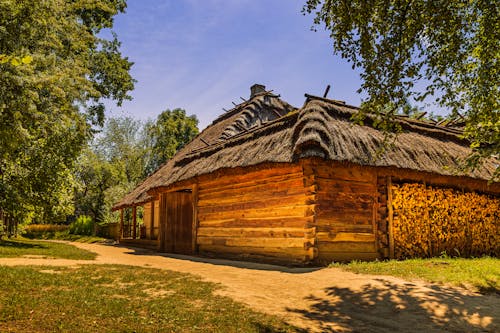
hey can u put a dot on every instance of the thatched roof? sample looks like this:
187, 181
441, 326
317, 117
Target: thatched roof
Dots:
258, 111
266, 129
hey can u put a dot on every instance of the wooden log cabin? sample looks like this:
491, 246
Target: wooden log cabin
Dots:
267, 181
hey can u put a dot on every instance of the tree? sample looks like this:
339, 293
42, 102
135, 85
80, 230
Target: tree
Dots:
171, 131
55, 71
453, 47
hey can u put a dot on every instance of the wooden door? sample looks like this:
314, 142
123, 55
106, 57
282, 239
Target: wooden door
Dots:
178, 231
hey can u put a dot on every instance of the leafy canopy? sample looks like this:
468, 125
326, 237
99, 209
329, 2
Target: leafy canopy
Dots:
55, 71
172, 130
452, 47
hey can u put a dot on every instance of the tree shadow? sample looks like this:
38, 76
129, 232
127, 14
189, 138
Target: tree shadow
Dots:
21, 245
387, 307
223, 261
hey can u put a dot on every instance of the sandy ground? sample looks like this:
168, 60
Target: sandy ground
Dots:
318, 300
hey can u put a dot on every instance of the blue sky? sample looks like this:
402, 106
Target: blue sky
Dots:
201, 55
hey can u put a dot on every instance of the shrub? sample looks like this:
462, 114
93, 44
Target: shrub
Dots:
82, 226
43, 231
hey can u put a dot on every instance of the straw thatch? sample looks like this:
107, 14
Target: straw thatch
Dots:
254, 113
266, 129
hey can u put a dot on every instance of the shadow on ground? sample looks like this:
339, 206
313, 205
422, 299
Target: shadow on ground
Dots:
19, 245
223, 262
388, 307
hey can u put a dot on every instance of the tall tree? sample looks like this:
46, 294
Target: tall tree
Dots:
170, 132
453, 47
55, 70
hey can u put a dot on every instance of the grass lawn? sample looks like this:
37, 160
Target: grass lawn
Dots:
113, 298
25, 247
479, 274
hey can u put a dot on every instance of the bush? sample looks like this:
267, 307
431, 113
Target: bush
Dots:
43, 231
82, 226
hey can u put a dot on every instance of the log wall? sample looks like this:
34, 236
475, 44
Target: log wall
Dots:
346, 212
261, 213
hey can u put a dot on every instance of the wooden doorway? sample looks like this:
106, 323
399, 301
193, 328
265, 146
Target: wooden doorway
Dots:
177, 227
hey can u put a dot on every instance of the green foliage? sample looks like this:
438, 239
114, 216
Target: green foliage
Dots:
97, 298
172, 130
24, 247
83, 225
481, 274
55, 70
452, 47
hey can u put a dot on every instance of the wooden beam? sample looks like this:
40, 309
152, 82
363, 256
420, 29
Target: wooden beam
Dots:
134, 222
163, 222
152, 220
120, 233
195, 216
390, 217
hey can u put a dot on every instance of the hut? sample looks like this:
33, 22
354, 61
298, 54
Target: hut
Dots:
272, 182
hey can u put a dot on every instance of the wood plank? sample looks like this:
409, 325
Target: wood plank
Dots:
236, 189
346, 246
251, 200
344, 228
195, 218
329, 171
345, 206
343, 196
352, 217
121, 224
228, 178
252, 241
271, 222
256, 232
336, 186
257, 202
239, 196
279, 252
228, 182
297, 210
345, 237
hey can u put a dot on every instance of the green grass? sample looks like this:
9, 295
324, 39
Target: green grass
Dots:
20, 247
478, 274
63, 235
113, 298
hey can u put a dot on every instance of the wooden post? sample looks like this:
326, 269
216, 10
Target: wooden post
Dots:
162, 221
134, 222
152, 220
120, 232
390, 217
195, 216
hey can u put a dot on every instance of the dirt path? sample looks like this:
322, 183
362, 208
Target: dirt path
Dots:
324, 300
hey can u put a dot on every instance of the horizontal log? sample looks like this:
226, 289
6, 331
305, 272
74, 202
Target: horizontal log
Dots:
281, 188
326, 257
297, 210
349, 174
336, 186
254, 201
345, 206
229, 183
252, 241
285, 253
344, 228
329, 196
345, 237
273, 173
346, 246
271, 222
347, 217
256, 232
